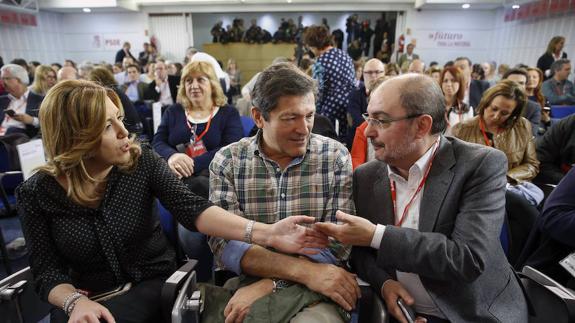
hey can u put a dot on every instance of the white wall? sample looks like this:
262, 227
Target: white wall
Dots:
526, 40
73, 36
82, 31
43, 42
471, 29
488, 36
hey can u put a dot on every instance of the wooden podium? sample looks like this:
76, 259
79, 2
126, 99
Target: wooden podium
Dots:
251, 58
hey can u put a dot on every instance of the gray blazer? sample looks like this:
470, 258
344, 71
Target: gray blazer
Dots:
456, 251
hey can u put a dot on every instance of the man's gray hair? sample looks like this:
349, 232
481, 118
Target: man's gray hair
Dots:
18, 72
558, 64
276, 81
420, 94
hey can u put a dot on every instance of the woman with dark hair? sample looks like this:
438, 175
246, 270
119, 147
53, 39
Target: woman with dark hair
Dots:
87, 215
335, 74
499, 124
103, 76
452, 85
554, 52
533, 86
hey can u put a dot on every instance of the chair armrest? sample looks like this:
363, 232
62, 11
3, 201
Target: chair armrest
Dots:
176, 288
371, 305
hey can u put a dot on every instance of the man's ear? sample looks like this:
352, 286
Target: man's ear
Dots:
257, 117
424, 124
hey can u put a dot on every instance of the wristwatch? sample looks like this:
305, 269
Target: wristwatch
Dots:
280, 284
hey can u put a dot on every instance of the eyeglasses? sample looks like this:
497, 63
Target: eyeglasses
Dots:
372, 72
384, 123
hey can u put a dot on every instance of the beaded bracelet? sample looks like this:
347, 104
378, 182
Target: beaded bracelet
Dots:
248, 233
70, 301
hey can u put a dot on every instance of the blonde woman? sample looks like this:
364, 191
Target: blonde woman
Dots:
87, 215
553, 52
44, 79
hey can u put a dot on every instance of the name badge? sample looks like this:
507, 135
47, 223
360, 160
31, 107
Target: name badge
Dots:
196, 149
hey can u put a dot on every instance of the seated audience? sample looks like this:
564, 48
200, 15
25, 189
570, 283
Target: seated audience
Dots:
235, 79
164, 87
122, 76
499, 125
532, 110
67, 73
430, 213
490, 70
477, 72
553, 53
552, 238
131, 118
452, 85
558, 90
357, 101
300, 173
195, 128
87, 215
44, 79
84, 70
19, 108
473, 88
556, 151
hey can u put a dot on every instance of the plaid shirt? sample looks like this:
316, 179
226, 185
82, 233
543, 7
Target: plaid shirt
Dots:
245, 182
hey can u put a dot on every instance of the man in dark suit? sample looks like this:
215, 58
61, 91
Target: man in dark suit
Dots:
475, 88
164, 88
19, 108
439, 205
532, 110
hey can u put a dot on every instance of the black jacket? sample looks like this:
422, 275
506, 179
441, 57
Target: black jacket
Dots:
32, 108
152, 94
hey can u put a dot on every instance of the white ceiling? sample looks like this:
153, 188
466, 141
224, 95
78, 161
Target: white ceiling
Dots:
163, 6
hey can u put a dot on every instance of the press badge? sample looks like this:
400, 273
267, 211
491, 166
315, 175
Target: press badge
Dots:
569, 263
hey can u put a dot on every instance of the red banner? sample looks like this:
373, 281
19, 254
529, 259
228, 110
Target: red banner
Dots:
523, 12
539, 8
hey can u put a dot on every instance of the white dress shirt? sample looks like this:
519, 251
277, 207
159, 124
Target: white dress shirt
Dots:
404, 191
165, 94
19, 106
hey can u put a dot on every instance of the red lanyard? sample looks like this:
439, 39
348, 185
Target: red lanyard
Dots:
482, 127
198, 138
421, 184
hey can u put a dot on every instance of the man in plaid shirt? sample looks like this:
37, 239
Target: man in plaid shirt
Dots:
285, 170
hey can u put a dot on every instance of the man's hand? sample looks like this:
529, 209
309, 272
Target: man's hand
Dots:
181, 164
355, 230
289, 236
239, 305
391, 291
24, 118
90, 312
334, 282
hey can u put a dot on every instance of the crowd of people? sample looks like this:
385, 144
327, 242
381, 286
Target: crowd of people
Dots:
409, 168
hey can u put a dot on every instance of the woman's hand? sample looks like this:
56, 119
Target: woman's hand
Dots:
289, 236
90, 312
181, 164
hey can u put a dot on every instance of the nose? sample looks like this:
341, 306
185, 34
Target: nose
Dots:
122, 132
370, 131
302, 126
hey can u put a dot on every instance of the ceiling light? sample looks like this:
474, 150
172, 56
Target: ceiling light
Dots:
466, 6
288, 1
515, 6
87, 10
